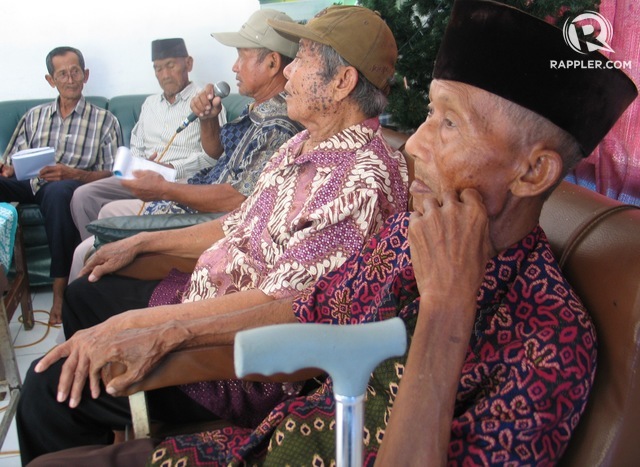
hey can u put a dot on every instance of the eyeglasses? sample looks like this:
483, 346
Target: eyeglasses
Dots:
74, 73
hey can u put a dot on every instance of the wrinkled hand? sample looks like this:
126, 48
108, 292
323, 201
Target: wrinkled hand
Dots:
139, 350
147, 186
86, 353
450, 244
91, 350
110, 258
206, 104
55, 173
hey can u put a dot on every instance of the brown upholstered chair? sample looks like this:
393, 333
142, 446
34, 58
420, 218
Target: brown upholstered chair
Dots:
597, 241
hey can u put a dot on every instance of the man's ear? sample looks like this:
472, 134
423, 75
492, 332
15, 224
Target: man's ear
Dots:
273, 63
189, 64
540, 170
346, 81
50, 80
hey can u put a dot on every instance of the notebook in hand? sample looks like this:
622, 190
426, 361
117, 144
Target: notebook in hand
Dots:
125, 163
28, 162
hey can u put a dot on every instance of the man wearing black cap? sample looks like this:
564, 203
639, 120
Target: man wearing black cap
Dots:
502, 352
160, 115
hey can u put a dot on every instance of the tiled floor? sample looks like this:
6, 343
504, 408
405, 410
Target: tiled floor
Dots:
28, 346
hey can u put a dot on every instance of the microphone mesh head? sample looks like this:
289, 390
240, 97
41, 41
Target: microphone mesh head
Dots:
221, 89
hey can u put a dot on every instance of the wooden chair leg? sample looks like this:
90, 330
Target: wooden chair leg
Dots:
20, 292
10, 382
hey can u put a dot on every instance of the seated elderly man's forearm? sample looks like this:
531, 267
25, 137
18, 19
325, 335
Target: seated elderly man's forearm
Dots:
188, 242
205, 198
214, 320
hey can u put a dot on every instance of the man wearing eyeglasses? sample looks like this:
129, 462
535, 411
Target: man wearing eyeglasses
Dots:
85, 138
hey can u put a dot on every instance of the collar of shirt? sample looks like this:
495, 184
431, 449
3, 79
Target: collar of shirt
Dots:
186, 93
348, 140
276, 106
79, 108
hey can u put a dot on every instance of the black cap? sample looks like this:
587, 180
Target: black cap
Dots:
525, 60
168, 48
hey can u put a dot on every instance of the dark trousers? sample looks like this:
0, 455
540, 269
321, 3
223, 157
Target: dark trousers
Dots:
89, 303
130, 454
45, 425
54, 199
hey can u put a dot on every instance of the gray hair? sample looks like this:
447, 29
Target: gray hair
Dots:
371, 100
58, 51
264, 53
530, 128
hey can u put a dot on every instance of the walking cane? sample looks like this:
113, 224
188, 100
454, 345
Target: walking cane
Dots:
348, 353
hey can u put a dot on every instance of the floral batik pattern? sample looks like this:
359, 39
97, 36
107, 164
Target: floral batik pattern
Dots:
308, 214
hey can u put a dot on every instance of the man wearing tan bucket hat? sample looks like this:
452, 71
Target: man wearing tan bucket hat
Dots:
320, 196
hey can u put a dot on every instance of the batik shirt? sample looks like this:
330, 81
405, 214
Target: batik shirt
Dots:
248, 141
86, 139
309, 212
527, 374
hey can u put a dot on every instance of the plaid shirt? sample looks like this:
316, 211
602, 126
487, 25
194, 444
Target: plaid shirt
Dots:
87, 139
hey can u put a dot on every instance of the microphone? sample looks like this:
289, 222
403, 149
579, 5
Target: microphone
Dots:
220, 89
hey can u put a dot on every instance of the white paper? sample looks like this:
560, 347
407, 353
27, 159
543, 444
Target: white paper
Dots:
125, 163
28, 162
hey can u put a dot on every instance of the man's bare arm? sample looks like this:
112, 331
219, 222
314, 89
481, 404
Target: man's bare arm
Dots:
59, 172
139, 338
150, 186
188, 242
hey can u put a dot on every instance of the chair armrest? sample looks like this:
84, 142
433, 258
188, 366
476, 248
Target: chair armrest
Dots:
155, 266
186, 366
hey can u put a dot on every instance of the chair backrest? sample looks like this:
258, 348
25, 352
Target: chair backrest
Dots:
12, 111
126, 109
234, 104
597, 241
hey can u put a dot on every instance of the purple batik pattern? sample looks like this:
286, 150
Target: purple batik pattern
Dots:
524, 383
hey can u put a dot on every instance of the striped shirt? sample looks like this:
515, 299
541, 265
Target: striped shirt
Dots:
86, 139
158, 122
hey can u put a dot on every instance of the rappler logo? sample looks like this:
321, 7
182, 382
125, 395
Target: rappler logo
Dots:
583, 37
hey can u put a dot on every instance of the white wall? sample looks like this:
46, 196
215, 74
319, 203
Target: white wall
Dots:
115, 39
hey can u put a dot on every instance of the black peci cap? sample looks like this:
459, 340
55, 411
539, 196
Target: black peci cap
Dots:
525, 60
168, 48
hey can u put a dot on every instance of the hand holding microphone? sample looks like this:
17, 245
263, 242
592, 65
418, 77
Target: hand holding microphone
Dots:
220, 89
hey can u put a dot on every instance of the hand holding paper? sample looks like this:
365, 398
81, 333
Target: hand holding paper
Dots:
28, 162
126, 163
